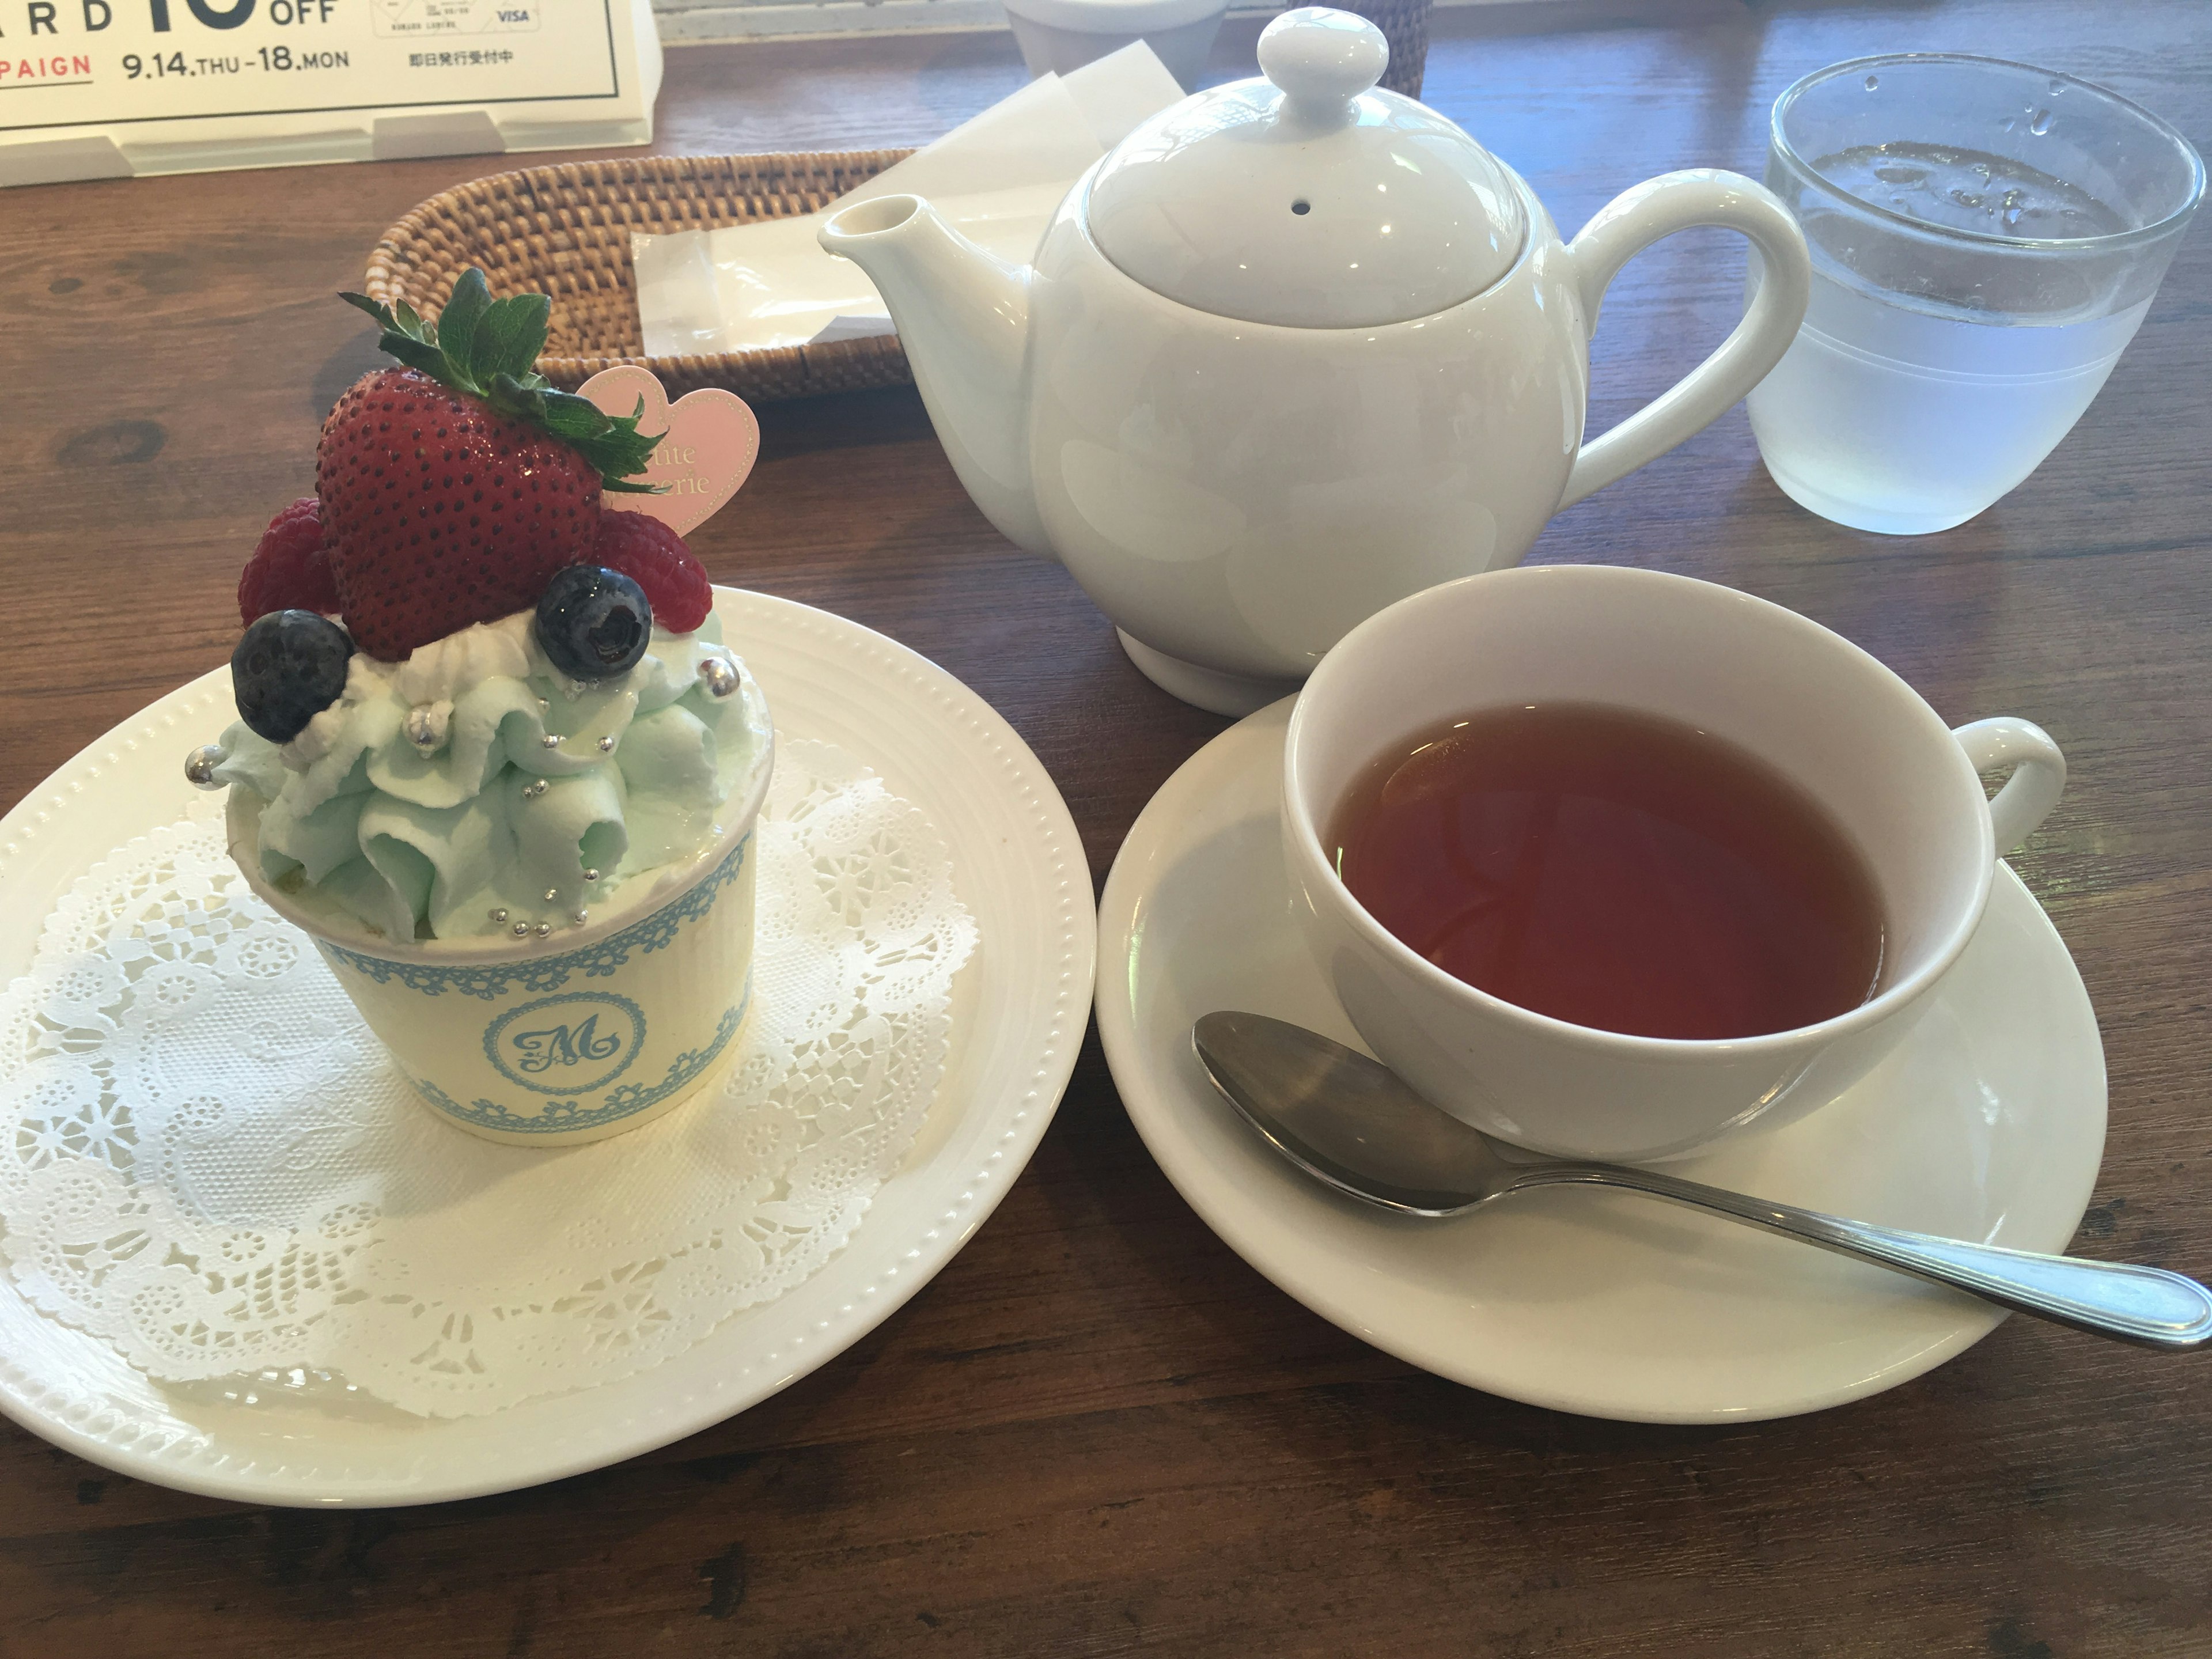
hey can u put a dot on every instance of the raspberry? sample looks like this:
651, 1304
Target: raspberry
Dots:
289, 570
654, 557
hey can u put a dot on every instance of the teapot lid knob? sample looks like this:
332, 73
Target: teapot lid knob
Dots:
1313, 198
1322, 59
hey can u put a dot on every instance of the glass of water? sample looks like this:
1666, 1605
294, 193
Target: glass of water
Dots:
1986, 237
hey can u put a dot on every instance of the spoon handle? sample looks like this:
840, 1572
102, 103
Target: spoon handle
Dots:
2145, 1306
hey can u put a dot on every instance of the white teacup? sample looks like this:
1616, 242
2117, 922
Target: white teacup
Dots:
1851, 734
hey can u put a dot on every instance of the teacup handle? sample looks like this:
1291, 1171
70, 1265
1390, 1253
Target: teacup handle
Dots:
1623, 229
2038, 774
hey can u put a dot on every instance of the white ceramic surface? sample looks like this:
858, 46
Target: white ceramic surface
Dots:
1847, 731
1307, 198
1987, 1123
1238, 495
1019, 1014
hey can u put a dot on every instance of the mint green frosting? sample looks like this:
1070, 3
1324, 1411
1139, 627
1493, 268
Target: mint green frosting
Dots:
426, 796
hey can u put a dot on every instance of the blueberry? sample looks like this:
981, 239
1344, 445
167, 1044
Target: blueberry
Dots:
289, 668
593, 623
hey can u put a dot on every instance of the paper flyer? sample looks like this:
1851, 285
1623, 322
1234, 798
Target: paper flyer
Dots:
104, 88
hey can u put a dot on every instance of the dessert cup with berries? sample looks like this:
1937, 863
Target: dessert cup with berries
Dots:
492, 754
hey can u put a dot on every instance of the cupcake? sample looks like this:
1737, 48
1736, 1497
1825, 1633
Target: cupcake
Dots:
492, 754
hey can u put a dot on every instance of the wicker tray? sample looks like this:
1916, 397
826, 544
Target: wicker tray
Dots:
1405, 25
564, 231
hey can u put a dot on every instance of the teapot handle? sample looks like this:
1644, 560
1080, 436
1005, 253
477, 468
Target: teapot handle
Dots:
1627, 224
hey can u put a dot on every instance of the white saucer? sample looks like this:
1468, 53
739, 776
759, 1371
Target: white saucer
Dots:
1989, 1123
1018, 1017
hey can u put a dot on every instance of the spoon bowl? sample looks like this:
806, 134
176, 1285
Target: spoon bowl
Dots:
1347, 1120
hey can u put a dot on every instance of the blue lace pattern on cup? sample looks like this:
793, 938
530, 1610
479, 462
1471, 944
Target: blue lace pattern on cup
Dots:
567, 1044
491, 980
561, 1115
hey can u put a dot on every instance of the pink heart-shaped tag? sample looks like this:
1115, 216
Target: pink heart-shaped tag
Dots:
712, 440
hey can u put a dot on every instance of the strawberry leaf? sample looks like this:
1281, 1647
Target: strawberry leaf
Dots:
376, 308
488, 349
405, 336
415, 354
567, 416
510, 336
611, 443
457, 325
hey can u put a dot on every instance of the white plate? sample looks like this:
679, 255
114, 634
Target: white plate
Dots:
1989, 1123
1019, 1011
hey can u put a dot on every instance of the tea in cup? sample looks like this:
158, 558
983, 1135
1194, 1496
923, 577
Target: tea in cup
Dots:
1608, 862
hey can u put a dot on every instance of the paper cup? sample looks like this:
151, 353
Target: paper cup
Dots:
574, 1037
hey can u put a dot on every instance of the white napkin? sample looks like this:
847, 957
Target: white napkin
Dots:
997, 177
272, 1198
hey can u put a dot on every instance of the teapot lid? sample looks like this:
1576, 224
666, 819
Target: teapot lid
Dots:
1308, 198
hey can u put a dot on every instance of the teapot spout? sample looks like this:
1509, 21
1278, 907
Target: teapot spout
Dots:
963, 315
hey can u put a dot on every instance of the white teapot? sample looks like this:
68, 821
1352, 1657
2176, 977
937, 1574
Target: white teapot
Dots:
1295, 348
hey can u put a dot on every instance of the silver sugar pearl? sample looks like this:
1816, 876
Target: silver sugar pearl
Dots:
421, 728
532, 790
579, 917
719, 675
591, 875
522, 930
544, 929
607, 745
552, 894
499, 913
550, 740
200, 764
545, 703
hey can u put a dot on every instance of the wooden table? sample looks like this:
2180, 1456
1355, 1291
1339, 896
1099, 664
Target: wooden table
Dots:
1098, 1432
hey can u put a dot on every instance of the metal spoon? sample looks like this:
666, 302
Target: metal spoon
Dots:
1352, 1123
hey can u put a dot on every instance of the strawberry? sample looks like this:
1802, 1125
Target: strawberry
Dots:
653, 555
441, 513
453, 488
288, 571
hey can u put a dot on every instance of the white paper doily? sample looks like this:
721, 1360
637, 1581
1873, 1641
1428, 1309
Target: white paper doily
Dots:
207, 1161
